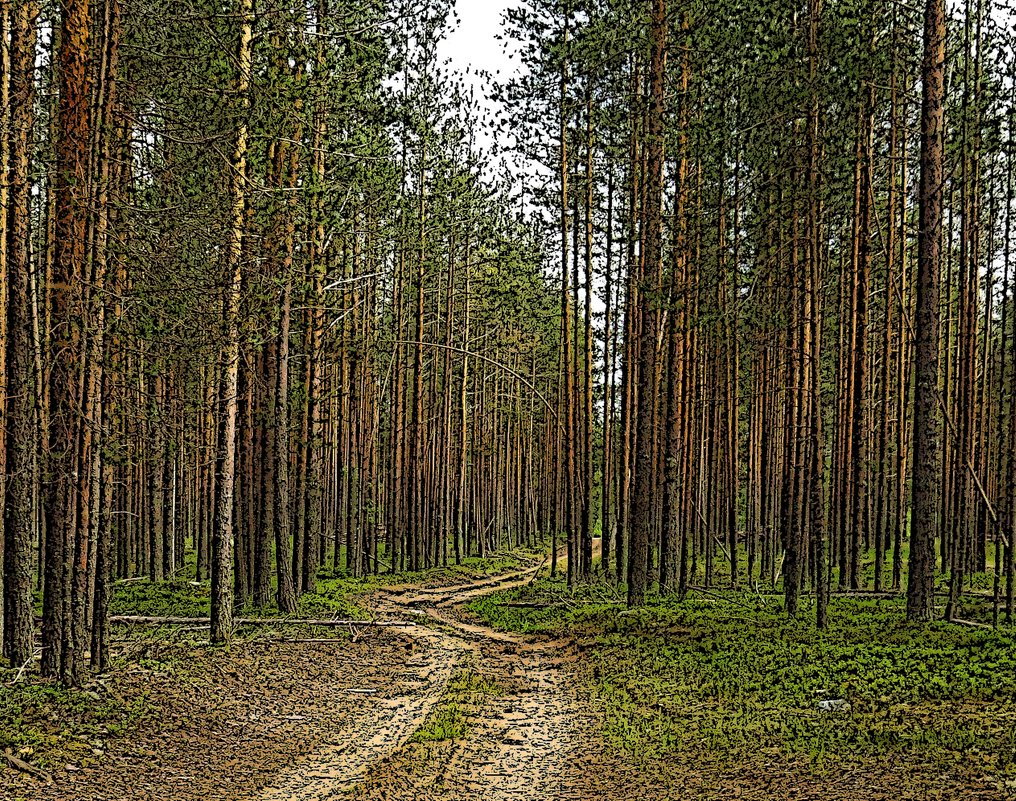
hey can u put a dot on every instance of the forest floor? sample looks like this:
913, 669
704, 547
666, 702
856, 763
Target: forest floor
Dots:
720, 695
446, 709
510, 687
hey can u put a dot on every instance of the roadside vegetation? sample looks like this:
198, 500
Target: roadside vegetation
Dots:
725, 677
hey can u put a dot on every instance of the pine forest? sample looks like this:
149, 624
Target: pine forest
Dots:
507, 399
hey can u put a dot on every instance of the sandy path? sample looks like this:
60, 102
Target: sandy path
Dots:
387, 719
531, 741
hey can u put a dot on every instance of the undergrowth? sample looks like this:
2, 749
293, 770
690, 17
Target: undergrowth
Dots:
49, 726
728, 677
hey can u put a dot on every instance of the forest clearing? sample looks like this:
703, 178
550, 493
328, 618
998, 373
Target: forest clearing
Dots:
558, 399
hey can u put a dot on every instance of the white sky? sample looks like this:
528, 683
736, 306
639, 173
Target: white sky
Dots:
473, 41
471, 46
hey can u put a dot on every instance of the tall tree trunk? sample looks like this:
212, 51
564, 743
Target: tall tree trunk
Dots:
927, 423
814, 321
229, 358
643, 495
19, 445
66, 551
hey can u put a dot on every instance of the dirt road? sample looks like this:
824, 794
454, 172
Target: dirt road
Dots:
534, 737
278, 720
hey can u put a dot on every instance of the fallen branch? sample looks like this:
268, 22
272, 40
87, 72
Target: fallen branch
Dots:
142, 620
718, 596
324, 640
19, 764
967, 594
972, 624
24, 667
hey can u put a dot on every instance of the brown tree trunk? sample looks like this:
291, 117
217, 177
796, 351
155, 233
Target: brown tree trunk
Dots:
927, 423
643, 496
19, 419
229, 359
66, 552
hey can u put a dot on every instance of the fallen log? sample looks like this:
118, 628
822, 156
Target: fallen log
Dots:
145, 620
320, 640
970, 623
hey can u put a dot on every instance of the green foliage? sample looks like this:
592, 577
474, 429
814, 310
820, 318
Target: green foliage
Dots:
730, 678
450, 718
175, 598
49, 725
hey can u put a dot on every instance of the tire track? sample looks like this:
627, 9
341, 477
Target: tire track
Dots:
390, 716
531, 741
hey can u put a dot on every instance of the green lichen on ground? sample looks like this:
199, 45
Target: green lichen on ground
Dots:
727, 677
450, 719
49, 725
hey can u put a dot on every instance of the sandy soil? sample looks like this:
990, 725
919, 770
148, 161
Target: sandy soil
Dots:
313, 721
535, 738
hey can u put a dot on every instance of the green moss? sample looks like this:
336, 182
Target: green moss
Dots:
450, 719
447, 722
49, 725
175, 598
728, 677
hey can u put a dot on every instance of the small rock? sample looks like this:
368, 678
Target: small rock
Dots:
833, 705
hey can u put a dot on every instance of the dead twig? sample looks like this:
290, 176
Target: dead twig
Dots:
718, 596
536, 572
320, 640
971, 623
24, 667
19, 764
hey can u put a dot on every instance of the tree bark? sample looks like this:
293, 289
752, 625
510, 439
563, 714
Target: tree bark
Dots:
229, 359
643, 494
927, 422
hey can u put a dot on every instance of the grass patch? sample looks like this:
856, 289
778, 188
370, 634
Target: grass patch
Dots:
730, 678
50, 726
450, 719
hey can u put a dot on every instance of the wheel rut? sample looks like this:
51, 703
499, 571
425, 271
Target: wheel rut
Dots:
530, 740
